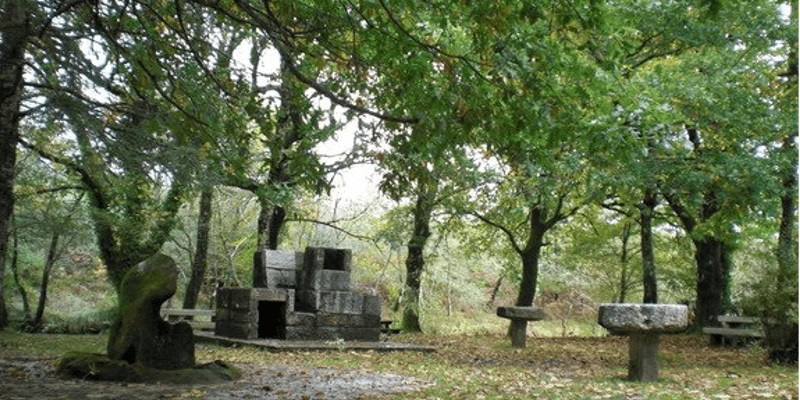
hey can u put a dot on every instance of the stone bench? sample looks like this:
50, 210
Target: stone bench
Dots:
518, 336
643, 323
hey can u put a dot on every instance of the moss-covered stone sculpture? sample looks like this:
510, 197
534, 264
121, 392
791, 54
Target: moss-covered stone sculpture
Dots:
138, 334
142, 347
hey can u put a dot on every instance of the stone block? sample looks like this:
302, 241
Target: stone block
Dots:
277, 259
350, 333
307, 301
280, 278
523, 313
270, 294
317, 259
333, 333
271, 260
301, 319
334, 280
238, 316
223, 298
247, 331
338, 302
348, 320
643, 318
238, 298
300, 332
372, 305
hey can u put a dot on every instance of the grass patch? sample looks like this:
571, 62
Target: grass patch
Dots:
45, 344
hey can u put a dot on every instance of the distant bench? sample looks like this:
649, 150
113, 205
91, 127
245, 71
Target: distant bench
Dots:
199, 319
387, 329
735, 329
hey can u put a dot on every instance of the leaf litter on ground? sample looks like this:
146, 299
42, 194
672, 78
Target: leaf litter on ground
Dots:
462, 367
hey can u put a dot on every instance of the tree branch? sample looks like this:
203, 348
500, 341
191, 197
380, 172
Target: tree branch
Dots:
511, 237
333, 226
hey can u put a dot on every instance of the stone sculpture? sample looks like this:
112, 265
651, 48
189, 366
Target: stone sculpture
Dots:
139, 335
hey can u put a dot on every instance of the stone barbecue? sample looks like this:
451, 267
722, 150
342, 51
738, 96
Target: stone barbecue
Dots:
299, 296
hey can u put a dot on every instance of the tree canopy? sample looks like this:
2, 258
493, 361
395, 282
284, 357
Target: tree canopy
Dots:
678, 115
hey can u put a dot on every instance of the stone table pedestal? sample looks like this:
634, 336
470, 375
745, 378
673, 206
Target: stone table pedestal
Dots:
519, 314
643, 323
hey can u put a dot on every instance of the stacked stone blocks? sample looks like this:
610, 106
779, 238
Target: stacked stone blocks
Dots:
307, 296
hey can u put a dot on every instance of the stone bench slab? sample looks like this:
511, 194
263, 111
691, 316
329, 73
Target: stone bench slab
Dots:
523, 313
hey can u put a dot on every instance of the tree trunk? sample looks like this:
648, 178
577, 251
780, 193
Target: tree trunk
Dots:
517, 329
271, 219
713, 274
26, 306
415, 264
713, 259
623, 259
200, 261
14, 32
277, 218
646, 212
786, 251
415, 261
495, 289
36, 324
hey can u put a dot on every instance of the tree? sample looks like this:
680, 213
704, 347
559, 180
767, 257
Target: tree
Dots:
288, 163
14, 35
413, 169
200, 260
140, 141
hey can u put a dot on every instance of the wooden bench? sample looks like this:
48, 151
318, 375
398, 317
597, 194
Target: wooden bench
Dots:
386, 327
199, 319
735, 330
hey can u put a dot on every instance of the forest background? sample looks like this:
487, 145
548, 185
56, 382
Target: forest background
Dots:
573, 152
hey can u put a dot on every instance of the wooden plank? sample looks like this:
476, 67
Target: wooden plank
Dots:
183, 312
738, 319
733, 332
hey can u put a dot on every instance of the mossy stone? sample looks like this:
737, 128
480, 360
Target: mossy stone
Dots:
98, 367
139, 335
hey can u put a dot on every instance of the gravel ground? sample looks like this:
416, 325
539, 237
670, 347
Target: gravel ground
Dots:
25, 377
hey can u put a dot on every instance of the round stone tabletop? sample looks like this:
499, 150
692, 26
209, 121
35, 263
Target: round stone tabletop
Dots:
628, 318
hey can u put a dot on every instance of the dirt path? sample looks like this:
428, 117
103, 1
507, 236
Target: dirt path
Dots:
23, 377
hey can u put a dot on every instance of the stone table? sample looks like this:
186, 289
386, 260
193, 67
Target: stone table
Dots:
519, 331
643, 323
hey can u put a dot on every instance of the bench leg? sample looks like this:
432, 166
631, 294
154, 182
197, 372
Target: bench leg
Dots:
643, 353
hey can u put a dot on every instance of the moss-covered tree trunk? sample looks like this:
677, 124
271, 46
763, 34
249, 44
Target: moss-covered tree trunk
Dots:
14, 31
